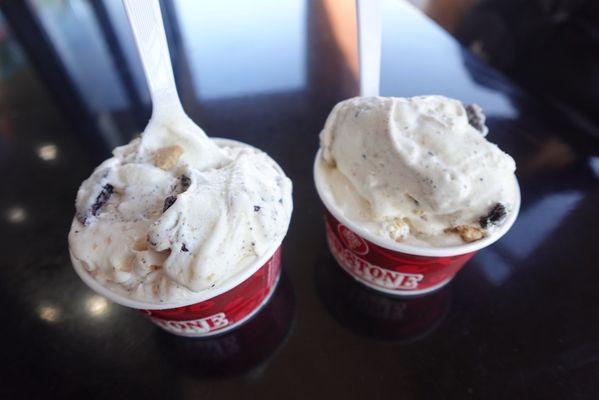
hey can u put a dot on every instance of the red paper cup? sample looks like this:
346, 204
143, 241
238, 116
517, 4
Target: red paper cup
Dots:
225, 311
210, 312
391, 267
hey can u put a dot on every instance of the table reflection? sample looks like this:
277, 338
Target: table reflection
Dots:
371, 314
16, 214
244, 351
97, 306
49, 313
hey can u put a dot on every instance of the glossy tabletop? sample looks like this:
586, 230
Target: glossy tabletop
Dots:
520, 321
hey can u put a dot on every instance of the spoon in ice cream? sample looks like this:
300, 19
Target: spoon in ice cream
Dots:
369, 45
169, 124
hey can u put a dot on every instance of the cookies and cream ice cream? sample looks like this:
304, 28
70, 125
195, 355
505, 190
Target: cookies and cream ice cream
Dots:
416, 170
174, 212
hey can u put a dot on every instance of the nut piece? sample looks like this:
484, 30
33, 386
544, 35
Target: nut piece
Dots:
166, 157
398, 229
467, 233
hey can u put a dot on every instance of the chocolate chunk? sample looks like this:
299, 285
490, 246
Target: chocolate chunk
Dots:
496, 215
184, 248
257, 208
185, 181
476, 118
169, 201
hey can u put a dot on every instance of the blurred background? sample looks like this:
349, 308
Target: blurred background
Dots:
83, 52
550, 47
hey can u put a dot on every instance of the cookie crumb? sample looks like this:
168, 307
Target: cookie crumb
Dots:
467, 233
101, 199
185, 181
140, 245
494, 217
150, 241
167, 157
476, 118
168, 202
398, 229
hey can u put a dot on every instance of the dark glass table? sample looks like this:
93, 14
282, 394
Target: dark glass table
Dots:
521, 321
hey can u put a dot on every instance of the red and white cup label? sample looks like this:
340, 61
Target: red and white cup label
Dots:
225, 311
387, 270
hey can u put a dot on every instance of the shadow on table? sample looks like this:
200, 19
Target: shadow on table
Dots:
244, 351
368, 313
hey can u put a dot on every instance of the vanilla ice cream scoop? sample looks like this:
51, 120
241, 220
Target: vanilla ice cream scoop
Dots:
174, 212
417, 170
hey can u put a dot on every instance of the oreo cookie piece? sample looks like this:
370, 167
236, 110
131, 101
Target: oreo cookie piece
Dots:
101, 199
476, 118
185, 182
168, 202
494, 217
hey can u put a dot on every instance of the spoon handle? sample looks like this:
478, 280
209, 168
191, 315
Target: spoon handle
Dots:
369, 13
146, 23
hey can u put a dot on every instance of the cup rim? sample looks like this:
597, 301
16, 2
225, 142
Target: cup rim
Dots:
447, 251
203, 295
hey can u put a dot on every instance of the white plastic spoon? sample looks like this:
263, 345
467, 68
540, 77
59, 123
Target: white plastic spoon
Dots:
169, 125
369, 13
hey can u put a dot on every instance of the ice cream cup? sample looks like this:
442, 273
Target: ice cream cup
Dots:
390, 267
212, 311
